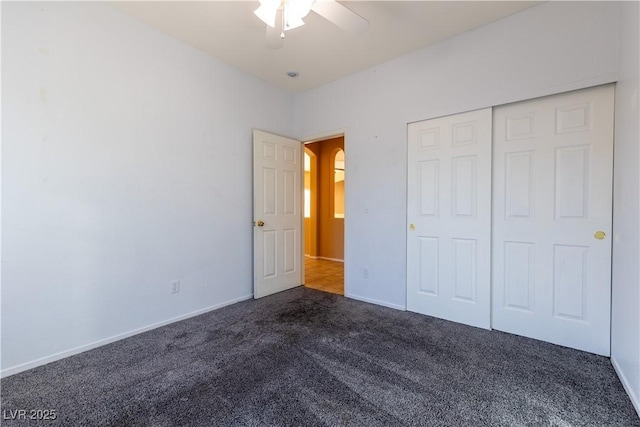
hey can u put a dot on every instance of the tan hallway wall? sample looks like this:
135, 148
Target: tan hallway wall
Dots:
330, 233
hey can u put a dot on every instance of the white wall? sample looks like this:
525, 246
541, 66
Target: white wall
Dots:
625, 319
126, 159
126, 164
547, 49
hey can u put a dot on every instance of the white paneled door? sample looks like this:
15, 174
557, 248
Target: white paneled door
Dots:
277, 207
552, 198
449, 218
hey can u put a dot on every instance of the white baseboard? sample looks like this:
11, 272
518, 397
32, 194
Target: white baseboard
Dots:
77, 350
329, 259
627, 387
323, 257
376, 302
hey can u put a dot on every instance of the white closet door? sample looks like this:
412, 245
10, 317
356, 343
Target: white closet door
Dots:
449, 218
553, 162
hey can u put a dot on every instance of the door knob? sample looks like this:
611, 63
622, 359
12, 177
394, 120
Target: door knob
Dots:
260, 223
412, 227
599, 235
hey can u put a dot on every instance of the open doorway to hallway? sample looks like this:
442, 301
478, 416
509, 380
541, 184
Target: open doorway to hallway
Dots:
324, 275
324, 214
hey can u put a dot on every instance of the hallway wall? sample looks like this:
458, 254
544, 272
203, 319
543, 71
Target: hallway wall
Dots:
330, 230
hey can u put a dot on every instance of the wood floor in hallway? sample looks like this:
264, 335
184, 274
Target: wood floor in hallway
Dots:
323, 275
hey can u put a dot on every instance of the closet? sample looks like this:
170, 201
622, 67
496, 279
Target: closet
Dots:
510, 215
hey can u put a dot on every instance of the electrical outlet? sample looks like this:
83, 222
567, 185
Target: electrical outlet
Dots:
175, 286
366, 207
365, 272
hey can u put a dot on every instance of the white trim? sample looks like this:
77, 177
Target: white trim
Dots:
324, 135
626, 385
329, 259
81, 349
376, 302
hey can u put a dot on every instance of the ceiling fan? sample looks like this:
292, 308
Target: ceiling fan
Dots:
284, 15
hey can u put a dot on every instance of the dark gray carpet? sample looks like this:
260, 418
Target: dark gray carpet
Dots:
309, 358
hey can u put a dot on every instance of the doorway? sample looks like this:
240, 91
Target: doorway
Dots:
324, 183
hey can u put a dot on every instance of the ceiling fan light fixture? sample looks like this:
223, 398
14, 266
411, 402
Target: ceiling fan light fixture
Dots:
298, 9
292, 21
293, 12
267, 11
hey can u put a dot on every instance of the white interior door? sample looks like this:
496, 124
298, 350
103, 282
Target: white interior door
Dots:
449, 218
553, 168
277, 208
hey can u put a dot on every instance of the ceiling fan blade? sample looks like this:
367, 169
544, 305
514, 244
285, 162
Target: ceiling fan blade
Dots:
273, 39
342, 17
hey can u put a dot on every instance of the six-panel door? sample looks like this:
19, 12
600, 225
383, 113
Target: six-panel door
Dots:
552, 197
277, 169
449, 217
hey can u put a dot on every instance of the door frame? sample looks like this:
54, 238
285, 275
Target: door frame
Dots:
341, 132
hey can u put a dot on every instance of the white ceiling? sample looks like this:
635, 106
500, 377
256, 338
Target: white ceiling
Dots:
319, 51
